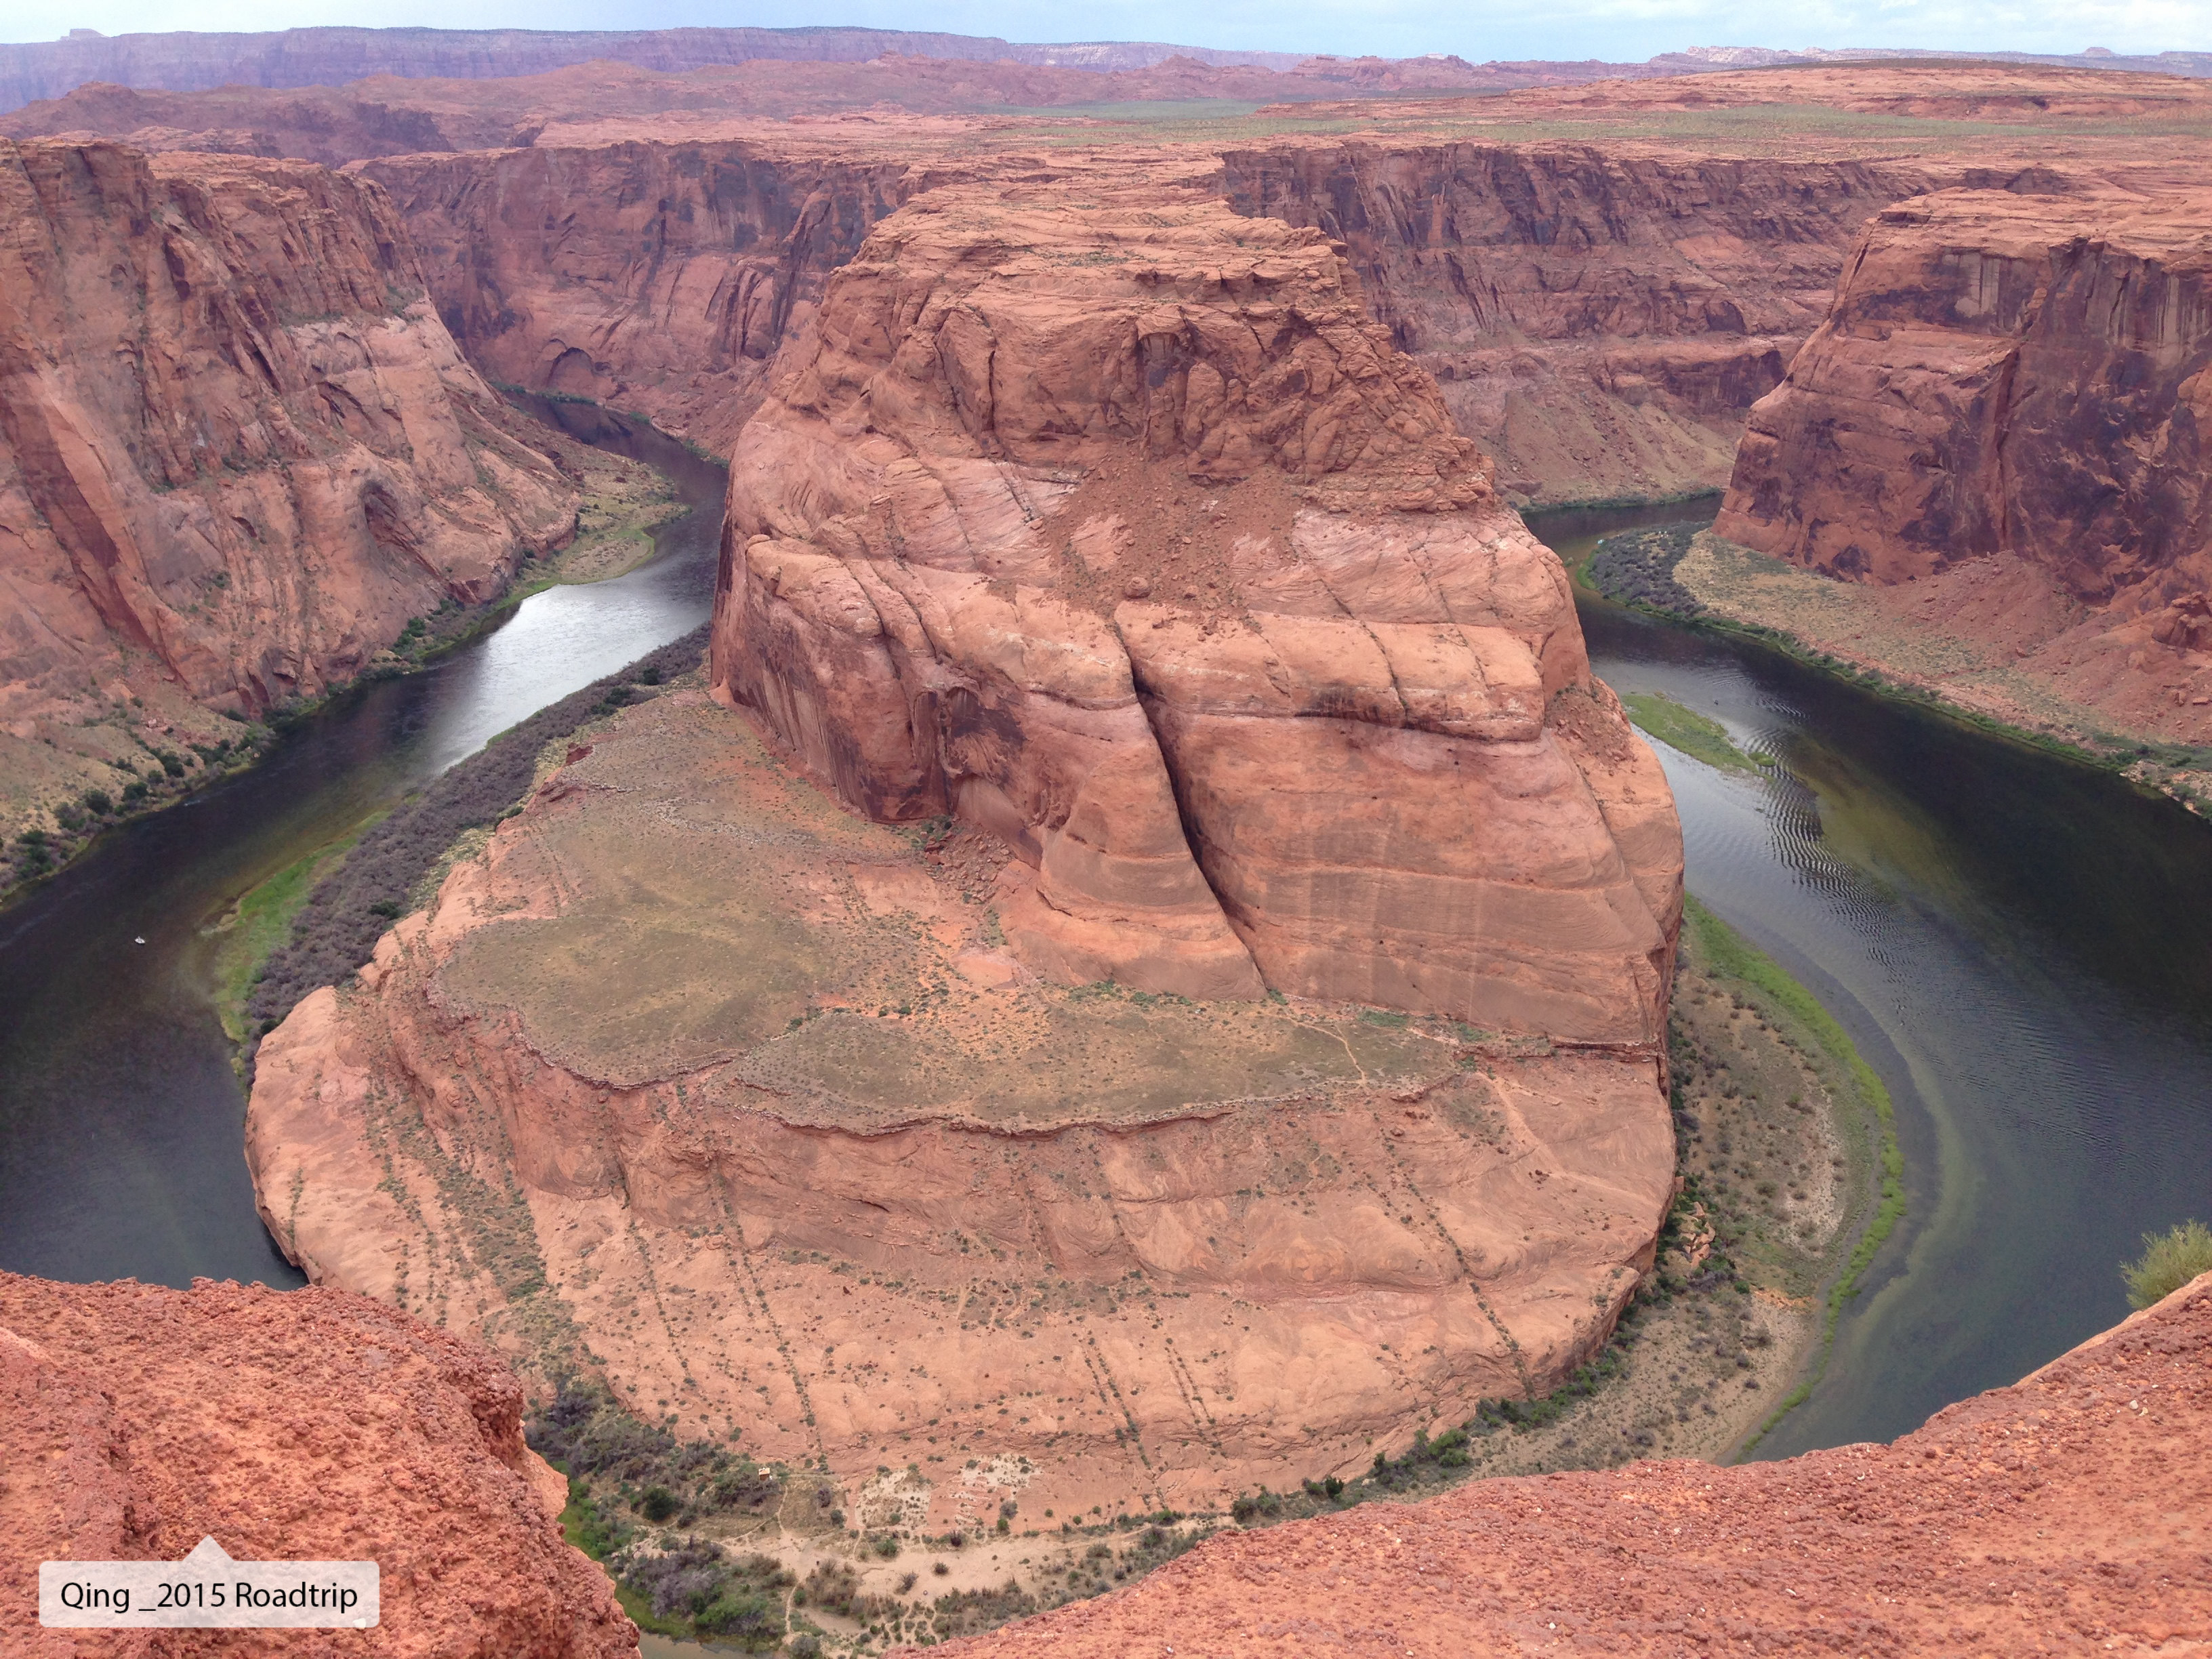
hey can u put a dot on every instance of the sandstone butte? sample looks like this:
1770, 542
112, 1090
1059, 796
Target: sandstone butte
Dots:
238, 448
1095, 531
2064, 1514
307, 1425
2004, 420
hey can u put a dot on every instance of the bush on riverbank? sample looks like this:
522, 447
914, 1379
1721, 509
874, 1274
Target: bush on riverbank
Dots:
2169, 1261
337, 930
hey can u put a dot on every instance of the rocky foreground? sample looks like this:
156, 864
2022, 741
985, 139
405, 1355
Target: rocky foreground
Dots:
2063, 1515
311, 1425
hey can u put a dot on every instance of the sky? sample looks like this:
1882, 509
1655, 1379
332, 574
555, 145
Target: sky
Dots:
1618, 30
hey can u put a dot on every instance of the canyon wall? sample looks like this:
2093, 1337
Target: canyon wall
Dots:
238, 449
2023, 375
657, 277
1600, 318
1116, 527
302, 1425
2007, 409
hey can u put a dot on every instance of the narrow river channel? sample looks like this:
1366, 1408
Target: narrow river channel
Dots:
2018, 945
121, 1119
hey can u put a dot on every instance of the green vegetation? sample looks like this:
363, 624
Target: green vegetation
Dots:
1698, 736
1726, 953
2169, 1261
261, 920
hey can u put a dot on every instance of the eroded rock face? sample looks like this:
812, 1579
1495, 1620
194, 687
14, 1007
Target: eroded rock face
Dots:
1600, 319
2024, 376
238, 450
656, 275
2057, 1516
2005, 418
699, 1078
1115, 527
311, 1425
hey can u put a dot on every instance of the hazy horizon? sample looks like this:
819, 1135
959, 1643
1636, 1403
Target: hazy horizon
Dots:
1615, 30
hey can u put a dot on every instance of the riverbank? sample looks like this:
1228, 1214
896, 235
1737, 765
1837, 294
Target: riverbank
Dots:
2007, 669
155, 747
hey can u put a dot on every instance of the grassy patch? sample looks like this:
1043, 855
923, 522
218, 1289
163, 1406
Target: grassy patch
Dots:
1729, 954
1698, 736
261, 920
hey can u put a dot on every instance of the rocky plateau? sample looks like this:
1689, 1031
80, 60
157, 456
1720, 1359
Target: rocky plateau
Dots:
2061, 1515
1604, 277
1101, 539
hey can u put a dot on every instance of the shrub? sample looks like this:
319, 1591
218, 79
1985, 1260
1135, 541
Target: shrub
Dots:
2169, 1261
97, 801
656, 1503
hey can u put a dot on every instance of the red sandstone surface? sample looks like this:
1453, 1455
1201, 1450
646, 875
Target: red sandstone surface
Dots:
306, 1425
1106, 519
2063, 1515
238, 448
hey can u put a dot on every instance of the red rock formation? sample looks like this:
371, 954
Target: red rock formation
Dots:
2061, 1515
967, 538
699, 1079
2023, 375
313, 1426
656, 276
1601, 317
2024, 380
238, 450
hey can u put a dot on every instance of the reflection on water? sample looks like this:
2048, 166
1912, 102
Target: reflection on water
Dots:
121, 1121
2020, 946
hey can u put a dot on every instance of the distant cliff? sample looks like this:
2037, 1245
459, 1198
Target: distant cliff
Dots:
1600, 320
238, 449
190, 61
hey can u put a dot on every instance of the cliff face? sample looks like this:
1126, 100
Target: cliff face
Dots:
311, 1425
238, 450
1118, 529
2008, 412
658, 276
2001, 374
2059, 1515
1600, 319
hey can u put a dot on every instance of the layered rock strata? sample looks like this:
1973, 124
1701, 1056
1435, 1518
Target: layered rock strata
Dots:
2007, 411
695, 1080
657, 275
1117, 529
2057, 1516
313, 1426
238, 449
1600, 318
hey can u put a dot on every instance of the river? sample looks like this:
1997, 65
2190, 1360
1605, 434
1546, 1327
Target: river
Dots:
2018, 945
121, 1119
